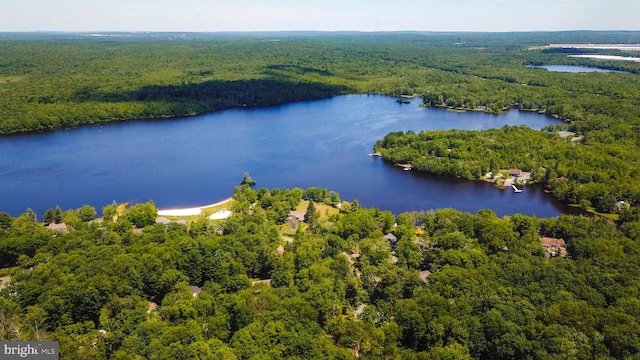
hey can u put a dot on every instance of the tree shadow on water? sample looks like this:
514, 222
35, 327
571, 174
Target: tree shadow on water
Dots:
193, 98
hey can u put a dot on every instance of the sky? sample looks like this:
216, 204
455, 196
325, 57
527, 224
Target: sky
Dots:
322, 15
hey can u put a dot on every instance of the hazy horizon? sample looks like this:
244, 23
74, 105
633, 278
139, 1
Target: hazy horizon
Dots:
327, 16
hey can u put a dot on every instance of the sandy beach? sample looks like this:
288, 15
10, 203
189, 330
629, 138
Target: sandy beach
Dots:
190, 211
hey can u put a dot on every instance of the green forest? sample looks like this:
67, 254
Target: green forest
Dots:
592, 175
66, 80
345, 283
342, 281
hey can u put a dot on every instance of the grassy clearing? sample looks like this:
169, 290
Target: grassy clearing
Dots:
218, 207
324, 209
592, 210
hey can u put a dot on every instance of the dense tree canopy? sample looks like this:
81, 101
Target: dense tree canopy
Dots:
587, 173
446, 284
51, 82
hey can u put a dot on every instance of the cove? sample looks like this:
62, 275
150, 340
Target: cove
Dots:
196, 161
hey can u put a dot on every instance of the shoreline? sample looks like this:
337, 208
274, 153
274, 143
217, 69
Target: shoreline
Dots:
116, 121
191, 211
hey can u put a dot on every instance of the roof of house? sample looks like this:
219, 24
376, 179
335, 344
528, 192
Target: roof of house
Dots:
552, 242
515, 171
391, 237
58, 227
297, 214
256, 282
280, 250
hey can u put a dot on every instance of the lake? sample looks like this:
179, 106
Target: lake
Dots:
571, 68
198, 161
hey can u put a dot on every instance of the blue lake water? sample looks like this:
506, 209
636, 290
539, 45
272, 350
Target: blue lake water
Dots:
197, 161
571, 68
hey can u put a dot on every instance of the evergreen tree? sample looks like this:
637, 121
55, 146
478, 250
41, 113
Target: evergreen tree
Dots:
31, 215
311, 209
247, 180
58, 215
5, 220
49, 216
311, 216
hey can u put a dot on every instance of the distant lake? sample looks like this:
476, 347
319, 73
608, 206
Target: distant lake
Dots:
197, 161
571, 68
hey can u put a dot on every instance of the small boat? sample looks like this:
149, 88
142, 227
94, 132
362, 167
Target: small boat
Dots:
515, 189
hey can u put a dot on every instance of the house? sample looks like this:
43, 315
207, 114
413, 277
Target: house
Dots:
280, 250
265, 282
515, 172
62, 228
297, 215
555, 247
392, 239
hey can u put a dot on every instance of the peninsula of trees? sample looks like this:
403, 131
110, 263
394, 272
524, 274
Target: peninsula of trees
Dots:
593, 175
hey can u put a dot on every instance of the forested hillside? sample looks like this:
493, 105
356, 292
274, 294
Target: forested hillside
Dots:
66, 80
347, 283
